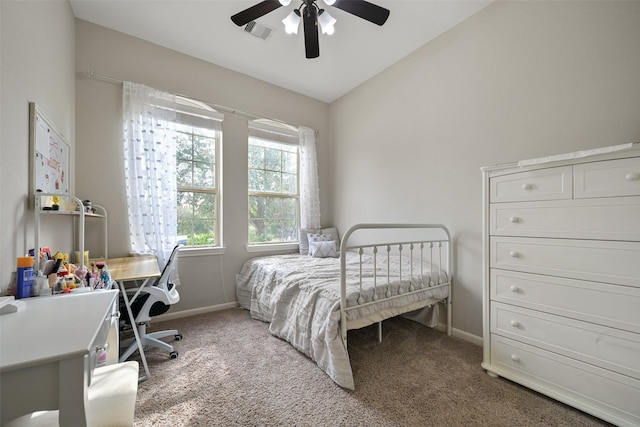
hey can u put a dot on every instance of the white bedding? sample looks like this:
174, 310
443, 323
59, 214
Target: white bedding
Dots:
299, 296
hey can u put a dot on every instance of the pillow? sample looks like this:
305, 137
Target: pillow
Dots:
303, 245
323, 249
318, 237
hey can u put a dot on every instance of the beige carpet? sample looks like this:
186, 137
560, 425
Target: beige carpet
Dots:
232, 372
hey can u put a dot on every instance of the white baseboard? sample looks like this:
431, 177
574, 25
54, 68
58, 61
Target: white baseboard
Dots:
474, 339
194, 311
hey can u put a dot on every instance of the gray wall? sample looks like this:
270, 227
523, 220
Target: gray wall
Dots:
207, 280
516, 81
37, 49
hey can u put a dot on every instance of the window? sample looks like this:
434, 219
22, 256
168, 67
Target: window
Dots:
198, 140
274, 193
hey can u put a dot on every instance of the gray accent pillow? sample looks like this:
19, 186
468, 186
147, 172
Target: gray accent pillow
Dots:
303, 246
323, 249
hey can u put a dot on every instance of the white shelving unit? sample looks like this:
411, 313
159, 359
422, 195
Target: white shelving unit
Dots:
79, 214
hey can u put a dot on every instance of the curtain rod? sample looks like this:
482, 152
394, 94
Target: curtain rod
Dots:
90, 74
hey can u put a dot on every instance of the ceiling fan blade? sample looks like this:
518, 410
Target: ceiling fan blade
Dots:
364, 9
310, 23
255, 12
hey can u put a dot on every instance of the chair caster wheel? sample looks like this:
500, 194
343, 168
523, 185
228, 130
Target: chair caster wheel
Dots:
173, 354
178, 337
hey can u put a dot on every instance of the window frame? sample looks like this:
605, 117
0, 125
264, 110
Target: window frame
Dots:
277, 133
196, 114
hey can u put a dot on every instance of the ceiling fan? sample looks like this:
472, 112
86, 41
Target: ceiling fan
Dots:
312, 16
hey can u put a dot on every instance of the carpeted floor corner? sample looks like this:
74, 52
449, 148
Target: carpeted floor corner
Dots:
232, 372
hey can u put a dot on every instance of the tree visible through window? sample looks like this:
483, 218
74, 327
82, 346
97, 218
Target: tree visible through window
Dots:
273, 191
197, 167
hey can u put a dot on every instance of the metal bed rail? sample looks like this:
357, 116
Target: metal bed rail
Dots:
427, 252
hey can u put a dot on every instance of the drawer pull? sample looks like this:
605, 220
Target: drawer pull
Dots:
527, 186
514, 254
514, 289
100, 349
515, 358
515, 323
632, 176
514, 219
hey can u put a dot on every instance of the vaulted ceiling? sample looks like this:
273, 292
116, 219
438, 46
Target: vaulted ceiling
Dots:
354, 53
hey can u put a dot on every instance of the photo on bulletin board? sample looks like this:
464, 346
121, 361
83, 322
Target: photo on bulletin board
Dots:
50, 156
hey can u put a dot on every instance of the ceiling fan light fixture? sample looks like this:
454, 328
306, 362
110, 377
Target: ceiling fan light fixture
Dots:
326, 22
312, 17
292, 22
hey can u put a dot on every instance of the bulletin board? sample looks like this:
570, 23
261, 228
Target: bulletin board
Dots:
50, 154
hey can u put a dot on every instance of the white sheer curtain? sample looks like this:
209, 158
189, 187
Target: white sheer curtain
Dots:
150, 169
309, 189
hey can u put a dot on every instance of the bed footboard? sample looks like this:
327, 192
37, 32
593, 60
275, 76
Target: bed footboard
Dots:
419, 274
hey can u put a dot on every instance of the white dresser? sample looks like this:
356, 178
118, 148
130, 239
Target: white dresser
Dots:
562, 278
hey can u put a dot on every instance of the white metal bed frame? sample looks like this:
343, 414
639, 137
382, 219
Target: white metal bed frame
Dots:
433, 246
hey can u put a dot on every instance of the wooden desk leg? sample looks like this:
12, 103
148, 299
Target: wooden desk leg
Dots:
127, 304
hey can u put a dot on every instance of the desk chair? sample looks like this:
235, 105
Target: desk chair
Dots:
153, 300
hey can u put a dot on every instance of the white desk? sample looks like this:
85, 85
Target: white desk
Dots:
48, 351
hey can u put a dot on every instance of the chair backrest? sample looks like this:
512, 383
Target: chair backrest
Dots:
164, 281
158, 297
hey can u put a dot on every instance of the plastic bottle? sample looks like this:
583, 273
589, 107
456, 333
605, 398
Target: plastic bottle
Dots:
24, 276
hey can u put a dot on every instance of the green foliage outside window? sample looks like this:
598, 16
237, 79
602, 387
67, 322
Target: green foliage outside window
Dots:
197, 185
273, 192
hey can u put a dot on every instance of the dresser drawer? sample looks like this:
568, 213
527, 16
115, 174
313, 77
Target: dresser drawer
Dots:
607, 179
616, 218
599, 261
605, 347
603, 393
600, 303
545, 184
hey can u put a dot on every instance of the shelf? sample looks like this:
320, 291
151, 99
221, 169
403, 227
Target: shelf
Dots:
79, 214
71, 213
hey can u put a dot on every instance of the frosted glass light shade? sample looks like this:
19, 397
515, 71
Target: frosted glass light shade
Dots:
291, 23
326, 22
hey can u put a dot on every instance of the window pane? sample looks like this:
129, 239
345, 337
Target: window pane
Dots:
256, 157
273, 168
197, 180
273, 159
290, 162
204, 149
273, 182
289, 183
204, 175
184, 173
184, 146
197, 217
256, 180
204, 206
272, 219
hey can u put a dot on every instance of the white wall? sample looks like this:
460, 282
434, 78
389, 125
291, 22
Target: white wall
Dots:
518, 80
206, 280
37, 64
